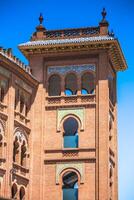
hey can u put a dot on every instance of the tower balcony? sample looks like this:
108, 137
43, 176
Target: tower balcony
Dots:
73, 100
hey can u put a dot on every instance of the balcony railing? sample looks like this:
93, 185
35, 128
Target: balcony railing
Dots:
76, 100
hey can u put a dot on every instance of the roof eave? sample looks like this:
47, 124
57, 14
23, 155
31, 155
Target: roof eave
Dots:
113, 47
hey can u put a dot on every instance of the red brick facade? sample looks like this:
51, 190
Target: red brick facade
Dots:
34, 108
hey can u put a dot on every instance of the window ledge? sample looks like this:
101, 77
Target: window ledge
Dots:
22, 117
70, 149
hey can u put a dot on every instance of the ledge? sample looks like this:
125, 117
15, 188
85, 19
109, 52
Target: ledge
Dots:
23, 118
23, 125
91, 160
74, 100
22, 169
69, 150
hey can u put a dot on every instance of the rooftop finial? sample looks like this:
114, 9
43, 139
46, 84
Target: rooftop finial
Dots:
41, 18
40, 27
104, 23
104, 13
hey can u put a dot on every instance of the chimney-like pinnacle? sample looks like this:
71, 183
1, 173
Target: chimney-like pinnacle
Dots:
104, 23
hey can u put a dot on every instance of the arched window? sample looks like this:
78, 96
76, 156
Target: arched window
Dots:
16, 150
70, 85
70, 133
22, 103
22, 193
54, 88
88, 84
70, 186
14, 191
20, 148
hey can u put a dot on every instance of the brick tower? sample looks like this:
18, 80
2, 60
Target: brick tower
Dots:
71, 120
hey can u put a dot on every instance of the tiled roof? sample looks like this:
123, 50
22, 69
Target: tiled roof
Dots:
66, 41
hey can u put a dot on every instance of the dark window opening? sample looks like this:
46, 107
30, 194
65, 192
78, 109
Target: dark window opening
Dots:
14, 191
54, 88
70, 85
70, 133
15, 150
88, 84
22, 193
23, 154
70, 186
22, 102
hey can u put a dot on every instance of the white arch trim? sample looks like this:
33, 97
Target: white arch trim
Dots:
78, 112
80, 167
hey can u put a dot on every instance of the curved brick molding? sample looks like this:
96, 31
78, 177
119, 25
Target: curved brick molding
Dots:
78, 166
78, 112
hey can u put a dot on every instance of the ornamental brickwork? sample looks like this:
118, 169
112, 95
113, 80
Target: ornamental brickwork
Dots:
58, 116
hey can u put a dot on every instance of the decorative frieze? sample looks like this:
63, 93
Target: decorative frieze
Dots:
71, 68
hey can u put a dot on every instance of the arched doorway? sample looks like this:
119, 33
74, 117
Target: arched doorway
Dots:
70, 186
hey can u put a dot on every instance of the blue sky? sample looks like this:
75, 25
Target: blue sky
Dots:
18, 19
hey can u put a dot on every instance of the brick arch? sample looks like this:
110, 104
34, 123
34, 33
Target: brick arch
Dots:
78, 167
70, 170
77, 113
89, 72
71, 116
